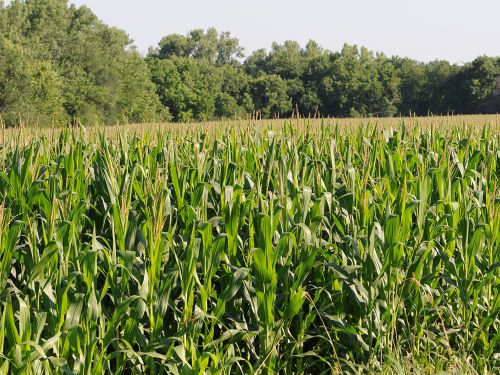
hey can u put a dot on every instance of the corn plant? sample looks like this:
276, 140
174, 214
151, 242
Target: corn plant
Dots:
307, 247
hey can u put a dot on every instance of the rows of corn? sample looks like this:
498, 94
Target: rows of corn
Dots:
304, 249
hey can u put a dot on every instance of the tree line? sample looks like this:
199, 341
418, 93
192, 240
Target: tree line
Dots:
59, 63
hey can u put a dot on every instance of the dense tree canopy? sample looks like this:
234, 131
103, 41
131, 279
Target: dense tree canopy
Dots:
60, 63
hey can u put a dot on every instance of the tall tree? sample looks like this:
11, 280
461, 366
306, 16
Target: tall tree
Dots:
215, 48
16, 95
480, 80
198, 76
270, 96
74, 66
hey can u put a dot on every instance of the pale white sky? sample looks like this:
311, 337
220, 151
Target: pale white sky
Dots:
456, 30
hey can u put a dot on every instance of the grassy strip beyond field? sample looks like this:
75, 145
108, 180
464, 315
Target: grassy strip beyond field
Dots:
296, 246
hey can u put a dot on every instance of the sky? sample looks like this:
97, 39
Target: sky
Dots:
455, 30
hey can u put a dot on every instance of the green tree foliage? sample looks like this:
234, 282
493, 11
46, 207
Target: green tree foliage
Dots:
60, 64
357, 83
269, 92
210, 46
411, 75
16, 94
480, 80
186, 87
440, 87
199, 77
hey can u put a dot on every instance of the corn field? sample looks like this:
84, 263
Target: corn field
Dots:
298, 248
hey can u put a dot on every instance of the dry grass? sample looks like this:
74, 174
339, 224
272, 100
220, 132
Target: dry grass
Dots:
25, 134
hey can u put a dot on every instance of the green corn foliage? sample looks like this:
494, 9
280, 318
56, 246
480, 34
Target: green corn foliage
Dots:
304, 248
